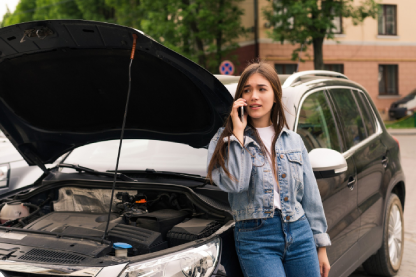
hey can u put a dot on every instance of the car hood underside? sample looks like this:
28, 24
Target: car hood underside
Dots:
63, 84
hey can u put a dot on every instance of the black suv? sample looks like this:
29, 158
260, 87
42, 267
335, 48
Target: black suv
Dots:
63, 84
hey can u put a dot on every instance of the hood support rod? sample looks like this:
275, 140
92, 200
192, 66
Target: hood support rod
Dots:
133, 50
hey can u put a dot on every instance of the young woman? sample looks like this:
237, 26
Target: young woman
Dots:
280, 227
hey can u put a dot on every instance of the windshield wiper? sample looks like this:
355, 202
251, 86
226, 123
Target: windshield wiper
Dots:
58, 235
79, 168
150, 171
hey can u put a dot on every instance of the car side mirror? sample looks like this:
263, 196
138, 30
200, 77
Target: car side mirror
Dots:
327, 163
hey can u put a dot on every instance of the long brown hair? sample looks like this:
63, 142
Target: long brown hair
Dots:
277, 117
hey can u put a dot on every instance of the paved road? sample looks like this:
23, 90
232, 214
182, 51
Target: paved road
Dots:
408, 154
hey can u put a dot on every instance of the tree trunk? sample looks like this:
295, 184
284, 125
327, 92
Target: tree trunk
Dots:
202, 61
318, 57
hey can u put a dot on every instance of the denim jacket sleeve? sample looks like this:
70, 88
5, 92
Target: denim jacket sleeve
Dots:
238, 163
312, 203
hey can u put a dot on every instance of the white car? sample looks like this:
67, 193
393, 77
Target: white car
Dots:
15, 173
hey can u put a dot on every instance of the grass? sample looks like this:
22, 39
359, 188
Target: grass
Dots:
405, 122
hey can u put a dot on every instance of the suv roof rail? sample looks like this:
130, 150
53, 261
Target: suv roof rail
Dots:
295, 76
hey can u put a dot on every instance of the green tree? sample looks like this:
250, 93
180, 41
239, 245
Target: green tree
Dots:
98, 10
201, 30
56, 9
309, 22
29, 10
24, 12
126, 12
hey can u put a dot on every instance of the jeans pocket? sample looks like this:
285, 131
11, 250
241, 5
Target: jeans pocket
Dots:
249, 225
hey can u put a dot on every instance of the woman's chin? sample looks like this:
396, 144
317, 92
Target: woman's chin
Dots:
256, 116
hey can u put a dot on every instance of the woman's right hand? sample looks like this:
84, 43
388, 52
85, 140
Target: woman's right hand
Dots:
238, 125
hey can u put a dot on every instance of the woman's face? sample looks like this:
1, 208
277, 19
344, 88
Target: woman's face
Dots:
259, 95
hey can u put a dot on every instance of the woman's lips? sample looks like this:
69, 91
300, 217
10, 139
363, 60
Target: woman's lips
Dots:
255, 107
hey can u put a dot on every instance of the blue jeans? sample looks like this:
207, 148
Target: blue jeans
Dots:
272, 248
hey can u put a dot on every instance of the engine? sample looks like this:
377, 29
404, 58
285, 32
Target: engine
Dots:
144, 221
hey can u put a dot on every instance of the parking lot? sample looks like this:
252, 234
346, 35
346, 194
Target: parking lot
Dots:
408, 159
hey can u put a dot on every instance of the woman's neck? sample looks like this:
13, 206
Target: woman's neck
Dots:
261, 122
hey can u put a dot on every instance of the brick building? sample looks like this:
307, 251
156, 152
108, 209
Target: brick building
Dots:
380, 53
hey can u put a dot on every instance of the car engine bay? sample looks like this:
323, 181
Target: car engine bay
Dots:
69, 228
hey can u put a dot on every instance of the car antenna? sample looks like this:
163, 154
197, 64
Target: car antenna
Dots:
133, 50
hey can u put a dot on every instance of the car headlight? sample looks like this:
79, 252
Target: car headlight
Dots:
192, 262
4, 174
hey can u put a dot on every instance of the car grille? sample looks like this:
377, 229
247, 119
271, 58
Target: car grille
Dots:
25, 274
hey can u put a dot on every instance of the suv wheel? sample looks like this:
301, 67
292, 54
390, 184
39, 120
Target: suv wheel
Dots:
387, 260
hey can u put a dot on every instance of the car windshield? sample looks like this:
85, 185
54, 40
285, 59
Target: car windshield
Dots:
140, 154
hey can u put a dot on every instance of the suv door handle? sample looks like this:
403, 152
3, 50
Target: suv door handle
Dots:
351, 182
384, 161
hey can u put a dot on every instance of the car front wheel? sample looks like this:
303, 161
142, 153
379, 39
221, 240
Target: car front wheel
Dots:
387, 260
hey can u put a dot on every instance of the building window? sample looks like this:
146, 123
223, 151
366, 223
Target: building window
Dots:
388, 80
337, 21
336, 10
334, 67
285, 68
285, 20
387, 20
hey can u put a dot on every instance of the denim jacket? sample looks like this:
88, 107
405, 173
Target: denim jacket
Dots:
251, 195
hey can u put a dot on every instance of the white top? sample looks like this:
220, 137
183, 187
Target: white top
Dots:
266, 135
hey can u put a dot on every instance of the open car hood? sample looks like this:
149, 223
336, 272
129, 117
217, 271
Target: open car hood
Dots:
63, 84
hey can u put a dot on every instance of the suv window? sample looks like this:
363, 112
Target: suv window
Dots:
368, 116
350, 116
316, 124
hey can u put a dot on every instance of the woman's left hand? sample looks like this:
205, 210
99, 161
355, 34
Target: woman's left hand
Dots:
323, 262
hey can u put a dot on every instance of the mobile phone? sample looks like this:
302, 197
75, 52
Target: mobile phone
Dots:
241, 113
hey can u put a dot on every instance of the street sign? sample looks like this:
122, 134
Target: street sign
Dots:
227, 68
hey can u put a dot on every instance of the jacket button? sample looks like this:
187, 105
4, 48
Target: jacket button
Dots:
286, 198
283, 175
287, 217
282, 156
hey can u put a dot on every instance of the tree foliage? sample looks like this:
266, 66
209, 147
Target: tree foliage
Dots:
311, 21
24, 12
203, 31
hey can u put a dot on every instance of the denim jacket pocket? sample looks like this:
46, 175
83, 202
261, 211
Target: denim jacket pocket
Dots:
295, 162
249, 225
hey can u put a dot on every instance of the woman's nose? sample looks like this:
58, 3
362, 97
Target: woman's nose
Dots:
254, 96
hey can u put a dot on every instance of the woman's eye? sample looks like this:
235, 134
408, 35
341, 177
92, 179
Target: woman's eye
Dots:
246, 90
262, 89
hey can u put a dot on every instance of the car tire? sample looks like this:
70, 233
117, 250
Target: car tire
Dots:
387, 260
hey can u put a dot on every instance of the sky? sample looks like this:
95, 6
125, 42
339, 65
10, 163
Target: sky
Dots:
10, 3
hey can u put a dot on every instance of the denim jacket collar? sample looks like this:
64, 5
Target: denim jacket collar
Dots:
249, 131
250, 138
